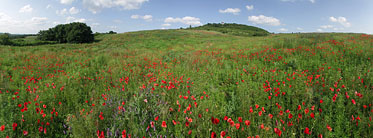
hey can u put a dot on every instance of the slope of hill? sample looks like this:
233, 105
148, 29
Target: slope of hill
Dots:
147, 83
233, 29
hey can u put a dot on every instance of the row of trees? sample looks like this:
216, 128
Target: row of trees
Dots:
68, 33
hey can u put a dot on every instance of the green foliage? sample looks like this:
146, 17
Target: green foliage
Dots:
233, 29
5, 39
112, 32
68, 33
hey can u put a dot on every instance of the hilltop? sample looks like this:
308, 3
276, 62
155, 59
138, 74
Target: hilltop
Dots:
233, 29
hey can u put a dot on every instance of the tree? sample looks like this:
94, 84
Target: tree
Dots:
5, 39
68, 33
112, 32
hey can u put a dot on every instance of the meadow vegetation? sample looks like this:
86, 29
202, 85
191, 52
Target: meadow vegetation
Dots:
190, 83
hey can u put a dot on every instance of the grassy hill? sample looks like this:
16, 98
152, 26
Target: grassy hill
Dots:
179, 83
233, 29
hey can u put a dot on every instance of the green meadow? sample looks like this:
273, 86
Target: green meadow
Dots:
190, 83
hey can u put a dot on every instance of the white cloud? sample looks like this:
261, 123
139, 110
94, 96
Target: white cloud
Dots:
71, 19
326, 26
62, 12
33, 25
38, 20
48, 6
261, 19
312, 1
299, 29
283, 30
112, 27
95, 24
25, 9
97, 5
338, 29
166, 24
135, 16
319, 30
188, 20
145, 17
74, 10
249, 7
66, 1
234, 11
341, 20
65, 11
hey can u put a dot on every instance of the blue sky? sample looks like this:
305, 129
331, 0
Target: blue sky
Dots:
30, 16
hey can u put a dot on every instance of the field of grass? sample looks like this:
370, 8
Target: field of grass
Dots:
190, 83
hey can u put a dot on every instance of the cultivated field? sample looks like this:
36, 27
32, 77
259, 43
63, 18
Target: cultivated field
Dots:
190, 83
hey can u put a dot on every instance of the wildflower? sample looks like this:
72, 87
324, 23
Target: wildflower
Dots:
240, 119
2, 128
247, 122
307, 131
238, 126
25, 132
213, 135
14, 126
329, 128
124, 135
164, 124
278, 131
222, 133
353, 101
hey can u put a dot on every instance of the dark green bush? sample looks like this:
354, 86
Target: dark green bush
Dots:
5, 39
68, 33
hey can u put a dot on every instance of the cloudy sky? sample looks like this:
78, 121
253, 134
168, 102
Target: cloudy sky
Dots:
30, 16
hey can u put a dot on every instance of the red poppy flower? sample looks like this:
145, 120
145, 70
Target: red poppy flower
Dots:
156, 118
213, 135
307, 131
25, 132
152, 124
216, 121
238, 126
353, 101
222, 133
329, 128
278, 131
14, 126
240, 119
164, 124
2, 128
247, 122
124, 135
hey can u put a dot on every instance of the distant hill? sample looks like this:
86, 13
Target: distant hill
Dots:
233, 29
